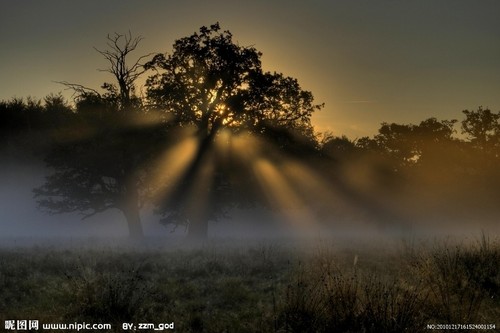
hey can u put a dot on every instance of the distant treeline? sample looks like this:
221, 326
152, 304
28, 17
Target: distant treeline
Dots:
469, 147
435, 171
26, 122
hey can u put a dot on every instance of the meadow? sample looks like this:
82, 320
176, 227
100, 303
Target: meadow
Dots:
261, 286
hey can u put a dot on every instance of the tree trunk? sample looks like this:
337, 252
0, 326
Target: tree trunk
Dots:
134, 222
131, 210
198, 228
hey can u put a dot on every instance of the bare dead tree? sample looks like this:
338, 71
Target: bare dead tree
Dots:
120, 46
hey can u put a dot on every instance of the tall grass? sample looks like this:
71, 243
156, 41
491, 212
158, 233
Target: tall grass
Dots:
264, 287
444, 284
327, 298
463, 281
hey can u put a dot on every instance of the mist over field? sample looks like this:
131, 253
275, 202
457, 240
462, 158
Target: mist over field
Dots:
22, 219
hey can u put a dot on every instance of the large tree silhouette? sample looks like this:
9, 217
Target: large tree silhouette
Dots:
212, 84
103, 163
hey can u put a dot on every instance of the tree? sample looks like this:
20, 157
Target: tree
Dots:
103, 164
30, 125
16, 119
409, 145
102, 171
120, 46
434, 142
398, 144
123, 97
212, 84
482, 128
338, 148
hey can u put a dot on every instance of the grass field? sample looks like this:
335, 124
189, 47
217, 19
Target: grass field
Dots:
262, 286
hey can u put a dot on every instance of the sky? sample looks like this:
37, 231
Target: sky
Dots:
368, 61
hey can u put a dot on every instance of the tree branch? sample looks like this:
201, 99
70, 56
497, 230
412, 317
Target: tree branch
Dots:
78, 88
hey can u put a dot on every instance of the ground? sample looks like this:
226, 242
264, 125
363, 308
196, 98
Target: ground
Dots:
320, 285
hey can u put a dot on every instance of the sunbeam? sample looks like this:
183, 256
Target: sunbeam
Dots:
281, 194
170, 166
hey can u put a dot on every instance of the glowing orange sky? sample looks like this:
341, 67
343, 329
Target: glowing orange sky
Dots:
368, 61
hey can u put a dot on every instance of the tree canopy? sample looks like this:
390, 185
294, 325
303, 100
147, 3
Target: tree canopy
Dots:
211, 82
